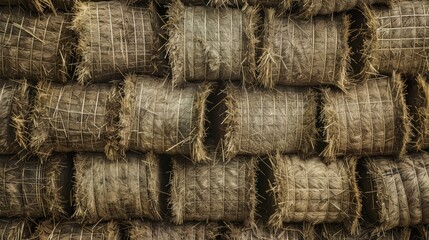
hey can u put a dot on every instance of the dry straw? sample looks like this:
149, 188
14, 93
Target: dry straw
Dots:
371, 119
337, 232
218, 191
119, 190
287, 232
15, 229
116, 39
423, 231
33, 46
310, 191
30, 188
74, 118
155, 117
305, 52
163, 231
418, 101
281, 4
68, 230
211, 43
257, 121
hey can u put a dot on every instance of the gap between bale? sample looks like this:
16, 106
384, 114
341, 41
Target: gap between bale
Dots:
74, 230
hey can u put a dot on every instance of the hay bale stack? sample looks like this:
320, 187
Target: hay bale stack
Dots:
303, 52
162, 231
30, 188
211, 44
258, 122
35, 47
307, 190
71, 117
155, 117
69, 230
15, 229
102, 184
14, 113
217, 191
287, 232
418, 102
371, 119
115, 39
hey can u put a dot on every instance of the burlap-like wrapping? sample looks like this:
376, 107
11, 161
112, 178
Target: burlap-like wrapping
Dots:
69, 230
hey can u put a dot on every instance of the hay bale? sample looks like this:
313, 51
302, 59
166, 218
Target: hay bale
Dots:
15, 229
418, 102
217, 191
337, 232
30, 188
287, 232
69, 118
211, 44
115, 39
281, 4
163, 231
155, 117
310, 191
305, 52
35, 47
70, 230
14, 113
101, 184
258, 121
371, 119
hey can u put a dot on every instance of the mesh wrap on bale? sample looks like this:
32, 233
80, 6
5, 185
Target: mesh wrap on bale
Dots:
115, 39
290, 231
418, 102
211, 43
68, 230
305, 52
217, 191
15, 229
370, 119
101, 184
35, 47
310, 191
337, 232
155, 117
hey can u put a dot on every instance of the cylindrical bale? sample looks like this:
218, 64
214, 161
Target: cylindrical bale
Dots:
308, 190
418, 103
257, 121
35, 46
69, 230
211, 44
14, 114
119, 190
115, 39
303, 52
337, 232
286, 232
396, 37
163, 231
215, 191
155, 117
15, 229
370, 119
71, 118
30, 188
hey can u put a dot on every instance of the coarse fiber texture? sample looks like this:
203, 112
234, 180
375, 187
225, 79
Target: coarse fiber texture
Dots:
418, 102
370, 119
69, 230
14, 229
303, 52
423, 232
287, 232
14, 114
261, 121
211, 44
156, 117
37, 47
307, 190
396, 37
72, 117
337, 232
30, 188
116, 39
215, 191
120, 190
164, 231
281, 4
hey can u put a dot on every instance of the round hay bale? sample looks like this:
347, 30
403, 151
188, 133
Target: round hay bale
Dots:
115, 39
216, 191
155, 117
163, 231
71, 118
303, 52
418, 102
370, 119
14, 114
35, 46
119, 190
259, 121
287, 232
30, 188
69, 230
310, 191
15, 229
211, 44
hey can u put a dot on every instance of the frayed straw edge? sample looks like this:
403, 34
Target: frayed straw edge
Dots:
399, 99
345, 63
356, 207
369, 43
250, 28
54, 170
252, 168
231, 123
309, 125
127, 111
78, 186
177, 191
266, 60
276, 219
331, 132
113, 149
422, 118
20, 113
154, 186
